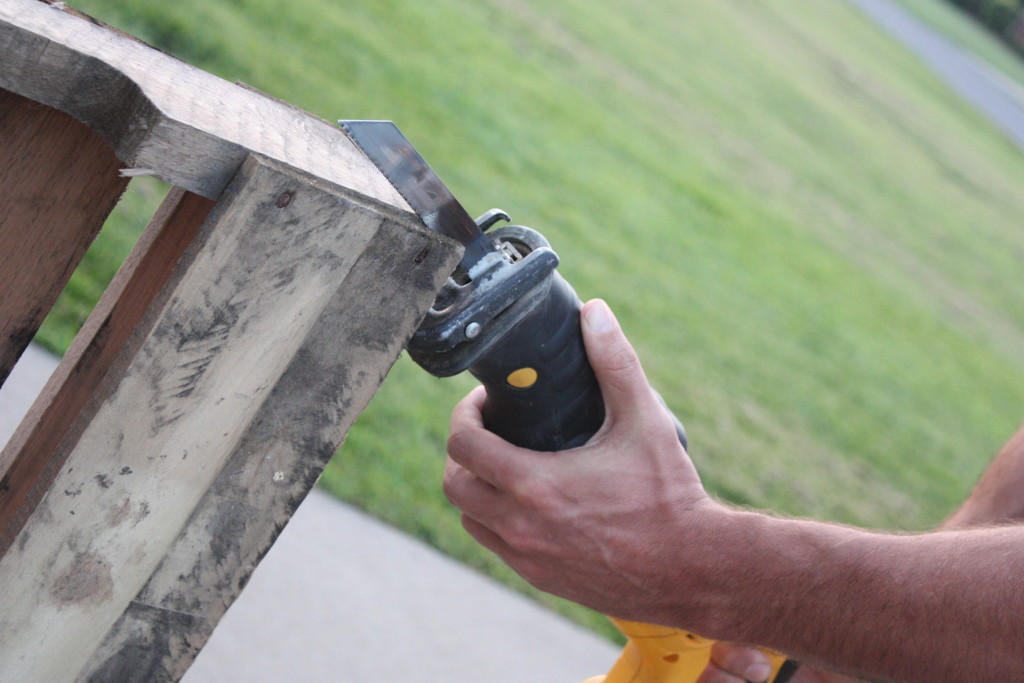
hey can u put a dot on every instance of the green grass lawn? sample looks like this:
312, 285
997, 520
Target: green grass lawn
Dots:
814, 244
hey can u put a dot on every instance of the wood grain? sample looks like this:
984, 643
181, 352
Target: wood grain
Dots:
58, 182
36, 451
278, 459
274, 329
254, 320
164, 117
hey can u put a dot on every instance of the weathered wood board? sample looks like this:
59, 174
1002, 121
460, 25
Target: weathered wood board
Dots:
276, 461
271, 333
162, 116
59, 180
34, 455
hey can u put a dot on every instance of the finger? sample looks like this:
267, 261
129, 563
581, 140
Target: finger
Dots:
747, 663
712, 674
623, 383
469, 493
468, 412
523, 563
485, 536
482, 452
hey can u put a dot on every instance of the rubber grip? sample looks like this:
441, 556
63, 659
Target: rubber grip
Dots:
561, 407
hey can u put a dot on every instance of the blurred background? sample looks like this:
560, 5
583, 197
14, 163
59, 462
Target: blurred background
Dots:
813, 241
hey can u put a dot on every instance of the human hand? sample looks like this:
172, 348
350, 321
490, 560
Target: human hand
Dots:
731, 663
608, 525
736, 664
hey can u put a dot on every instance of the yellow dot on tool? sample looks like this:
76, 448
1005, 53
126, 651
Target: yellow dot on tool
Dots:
523, 378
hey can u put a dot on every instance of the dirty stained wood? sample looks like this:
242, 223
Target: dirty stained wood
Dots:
162, 116
59, 182
274, 330
34, 454
277, 460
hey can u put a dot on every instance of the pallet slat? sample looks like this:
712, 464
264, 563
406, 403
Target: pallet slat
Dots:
251, 324
277, 460
271, 333
162, 116
36, 451
60, 181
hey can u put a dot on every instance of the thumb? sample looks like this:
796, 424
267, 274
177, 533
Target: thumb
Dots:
623, 383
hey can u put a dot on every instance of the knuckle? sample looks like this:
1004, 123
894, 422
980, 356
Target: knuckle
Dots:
533, 489
519, 535
622, 359
456, 444
713, 674
738, 661
450, 484
529, 490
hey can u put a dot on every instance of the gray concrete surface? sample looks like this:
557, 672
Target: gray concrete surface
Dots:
22, 387
343, 598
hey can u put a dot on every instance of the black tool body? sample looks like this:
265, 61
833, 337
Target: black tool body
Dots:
505, 314
516, 328
558, 404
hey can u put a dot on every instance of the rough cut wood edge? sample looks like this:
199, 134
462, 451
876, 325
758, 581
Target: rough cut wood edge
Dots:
329, 382
162, 116
272, 259
58, 183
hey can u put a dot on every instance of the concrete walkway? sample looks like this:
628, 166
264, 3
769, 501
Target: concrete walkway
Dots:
342, 597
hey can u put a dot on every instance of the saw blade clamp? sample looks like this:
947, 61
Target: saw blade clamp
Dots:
480, 303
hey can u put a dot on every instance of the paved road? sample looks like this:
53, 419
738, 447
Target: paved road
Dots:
996, 96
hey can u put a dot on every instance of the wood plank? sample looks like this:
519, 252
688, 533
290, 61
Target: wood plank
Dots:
276, 327
276, 461
60, 181
162, 116
36, 451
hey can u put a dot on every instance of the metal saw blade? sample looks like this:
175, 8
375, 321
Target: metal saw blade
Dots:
412, 177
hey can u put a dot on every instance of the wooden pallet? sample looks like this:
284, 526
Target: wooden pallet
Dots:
255, 318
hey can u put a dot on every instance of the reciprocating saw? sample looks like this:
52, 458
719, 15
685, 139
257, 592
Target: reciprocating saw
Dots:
512, 321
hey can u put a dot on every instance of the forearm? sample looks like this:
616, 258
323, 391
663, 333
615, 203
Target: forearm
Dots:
999, 494
623, 525
879, 606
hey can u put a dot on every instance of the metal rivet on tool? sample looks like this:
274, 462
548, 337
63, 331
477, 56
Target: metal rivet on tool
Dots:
472, 330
